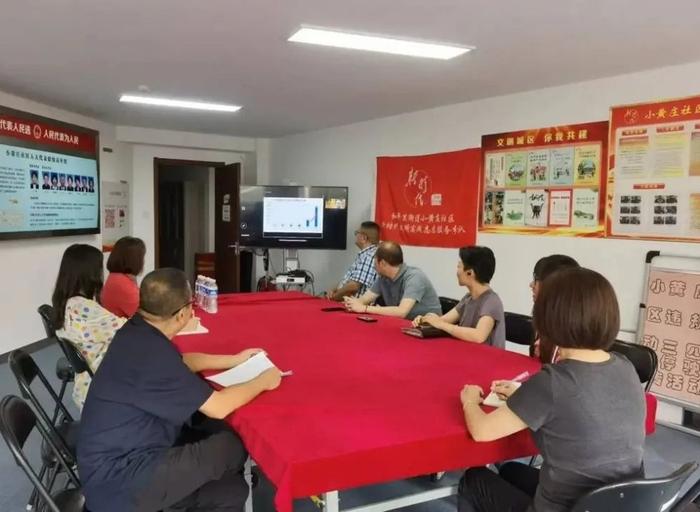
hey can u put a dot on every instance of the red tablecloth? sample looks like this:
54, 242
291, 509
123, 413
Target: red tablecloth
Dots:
366, 403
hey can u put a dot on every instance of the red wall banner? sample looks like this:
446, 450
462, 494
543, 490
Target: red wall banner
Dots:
429, 200
41, 132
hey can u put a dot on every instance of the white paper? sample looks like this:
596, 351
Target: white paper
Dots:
493, 400
199, 330
244, 372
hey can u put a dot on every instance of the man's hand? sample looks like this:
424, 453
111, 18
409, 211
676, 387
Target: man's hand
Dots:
354, 305
330, 294
471, 394
270, 379
503, 388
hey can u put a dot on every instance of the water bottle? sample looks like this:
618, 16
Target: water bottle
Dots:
213, 297
198, 291
206, 293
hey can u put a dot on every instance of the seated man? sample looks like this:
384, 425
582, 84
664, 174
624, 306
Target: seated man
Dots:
406, 291
479, 316
134, 451
361, 275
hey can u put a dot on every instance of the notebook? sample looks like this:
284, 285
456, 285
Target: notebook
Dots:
425, 332
243, 372
493, 400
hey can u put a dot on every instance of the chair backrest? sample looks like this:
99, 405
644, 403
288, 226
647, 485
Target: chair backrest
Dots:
75, 357
643, 358
46, 313
447, 304
519, 328
650, 495
17, 421
26, 372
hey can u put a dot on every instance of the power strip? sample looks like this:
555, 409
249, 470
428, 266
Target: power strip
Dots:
282, 279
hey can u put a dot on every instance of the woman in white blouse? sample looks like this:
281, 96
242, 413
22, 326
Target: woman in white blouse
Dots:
78, 317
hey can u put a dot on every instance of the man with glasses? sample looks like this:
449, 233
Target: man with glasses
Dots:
150, 435
361, 275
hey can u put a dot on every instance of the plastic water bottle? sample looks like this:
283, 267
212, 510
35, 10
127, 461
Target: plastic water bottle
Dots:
206, 291
198, 290
213, 297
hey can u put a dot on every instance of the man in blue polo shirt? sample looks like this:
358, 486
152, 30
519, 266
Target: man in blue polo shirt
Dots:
361, 275
139, 448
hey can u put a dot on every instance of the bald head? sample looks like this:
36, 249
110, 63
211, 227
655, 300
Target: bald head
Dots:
164, 291
391, 253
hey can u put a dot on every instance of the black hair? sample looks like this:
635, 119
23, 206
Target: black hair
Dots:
480, 260
550, 264
80, 275
164, 292
371, 231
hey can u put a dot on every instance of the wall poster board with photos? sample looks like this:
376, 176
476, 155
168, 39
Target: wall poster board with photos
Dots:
547, 181
654, 186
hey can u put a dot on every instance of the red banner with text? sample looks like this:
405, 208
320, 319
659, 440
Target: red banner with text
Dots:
429, 200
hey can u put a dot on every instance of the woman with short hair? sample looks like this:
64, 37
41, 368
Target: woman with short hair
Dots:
120, 294
586, 411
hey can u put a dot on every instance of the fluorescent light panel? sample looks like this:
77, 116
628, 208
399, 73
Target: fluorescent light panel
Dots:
380, 44
171, 102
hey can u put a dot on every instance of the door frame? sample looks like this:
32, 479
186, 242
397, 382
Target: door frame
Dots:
157, 163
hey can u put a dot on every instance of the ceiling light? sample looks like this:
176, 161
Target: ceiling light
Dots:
371, 43
170, 102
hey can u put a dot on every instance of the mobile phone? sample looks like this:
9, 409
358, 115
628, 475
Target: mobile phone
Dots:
368, 319
333, 308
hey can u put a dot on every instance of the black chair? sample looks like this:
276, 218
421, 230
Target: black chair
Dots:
75, 357
643, 358
642, 495
447, 304
64, 370
519, 329
17, 421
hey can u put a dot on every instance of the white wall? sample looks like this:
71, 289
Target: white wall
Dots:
28, 267
346, 156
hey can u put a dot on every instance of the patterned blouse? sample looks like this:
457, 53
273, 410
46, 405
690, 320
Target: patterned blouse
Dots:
89, 327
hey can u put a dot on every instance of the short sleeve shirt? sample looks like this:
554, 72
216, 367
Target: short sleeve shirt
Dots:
362, 270
120, 295
487, 304
138, 402
588, 423
409, 283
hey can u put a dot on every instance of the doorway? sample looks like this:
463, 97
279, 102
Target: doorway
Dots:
196, 205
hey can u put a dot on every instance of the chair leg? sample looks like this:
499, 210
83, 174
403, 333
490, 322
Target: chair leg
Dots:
57, 410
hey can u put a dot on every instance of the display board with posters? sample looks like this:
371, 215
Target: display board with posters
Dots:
115, 212
547, 181
655, 170
670, 325
429, 200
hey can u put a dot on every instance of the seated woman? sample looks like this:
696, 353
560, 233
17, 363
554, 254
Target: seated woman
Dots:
586, 412
120, 294
544, 268
77, 315
479, 315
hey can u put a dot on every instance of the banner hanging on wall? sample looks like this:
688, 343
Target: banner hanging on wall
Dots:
429, 200
547, 181
654, 188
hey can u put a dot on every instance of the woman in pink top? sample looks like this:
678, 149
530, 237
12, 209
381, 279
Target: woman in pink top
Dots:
120, 293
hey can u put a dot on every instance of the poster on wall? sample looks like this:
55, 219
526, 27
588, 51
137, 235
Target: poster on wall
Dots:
548, 181
429, 200
654, 180
671, 327
49, 177
115, 212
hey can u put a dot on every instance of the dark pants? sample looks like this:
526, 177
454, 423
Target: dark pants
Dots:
511, 490
203, 472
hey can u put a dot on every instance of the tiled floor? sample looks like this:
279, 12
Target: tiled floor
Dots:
665, 451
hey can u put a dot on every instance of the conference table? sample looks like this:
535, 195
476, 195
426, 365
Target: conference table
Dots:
366, 403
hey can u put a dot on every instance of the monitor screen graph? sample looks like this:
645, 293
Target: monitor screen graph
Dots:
293, 215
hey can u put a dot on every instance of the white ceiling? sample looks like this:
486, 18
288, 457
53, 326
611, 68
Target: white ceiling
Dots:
81, 54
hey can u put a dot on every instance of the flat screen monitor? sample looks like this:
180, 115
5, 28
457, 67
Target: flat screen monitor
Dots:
293, 217
49, 177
